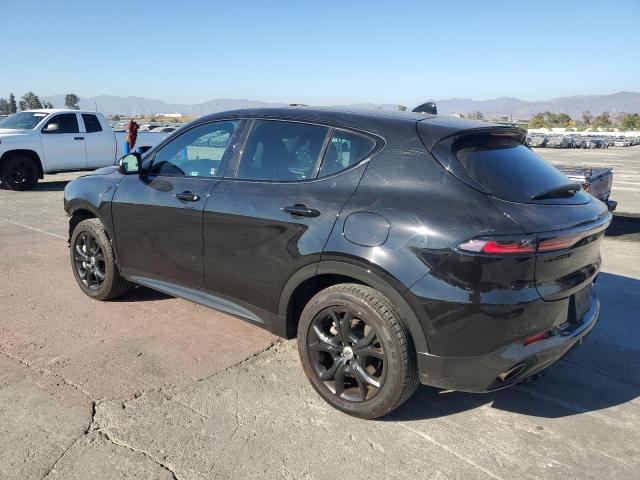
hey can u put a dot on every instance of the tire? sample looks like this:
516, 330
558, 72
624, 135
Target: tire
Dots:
19, 172
93, 262
388, 360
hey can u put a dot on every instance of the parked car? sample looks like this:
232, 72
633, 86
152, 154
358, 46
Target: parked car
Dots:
397, 247
162, 129
579, 142
595, 143
595, 180
622, 142
538, 142
560, 142
35, 142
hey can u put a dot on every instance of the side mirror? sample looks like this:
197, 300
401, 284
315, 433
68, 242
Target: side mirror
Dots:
51, 127
129, 164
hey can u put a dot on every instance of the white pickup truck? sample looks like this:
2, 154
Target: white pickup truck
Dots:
35, 142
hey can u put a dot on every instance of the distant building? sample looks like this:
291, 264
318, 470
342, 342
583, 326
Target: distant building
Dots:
169, 115
456, 115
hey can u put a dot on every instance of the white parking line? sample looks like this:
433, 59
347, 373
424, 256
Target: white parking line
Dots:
33, 228
626, 189
625, 182
450, 450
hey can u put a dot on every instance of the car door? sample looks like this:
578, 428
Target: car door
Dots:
63, 144
100, 144
275, 216
157, 215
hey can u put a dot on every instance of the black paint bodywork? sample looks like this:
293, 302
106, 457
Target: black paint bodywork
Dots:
392, 221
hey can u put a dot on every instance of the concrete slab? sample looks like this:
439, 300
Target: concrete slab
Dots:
150, 387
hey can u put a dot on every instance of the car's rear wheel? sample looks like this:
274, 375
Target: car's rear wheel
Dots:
19, 172
356, 350
93, 262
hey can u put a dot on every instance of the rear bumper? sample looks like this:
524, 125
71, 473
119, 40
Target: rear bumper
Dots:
481, 373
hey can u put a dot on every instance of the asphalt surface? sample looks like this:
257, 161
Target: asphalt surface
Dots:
155, 387
625, 162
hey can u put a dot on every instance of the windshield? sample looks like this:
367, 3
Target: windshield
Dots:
22, 120
507, 169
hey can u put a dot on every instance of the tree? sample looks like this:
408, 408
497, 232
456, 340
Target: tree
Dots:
631, 121
602, 121
587, 118
4, 106
550, 120
30, 101
477, 115
46, 104
537, 121
13, 108
71, 100
402, 108
116, 117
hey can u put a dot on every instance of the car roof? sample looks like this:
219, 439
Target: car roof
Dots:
374, 121
60, 110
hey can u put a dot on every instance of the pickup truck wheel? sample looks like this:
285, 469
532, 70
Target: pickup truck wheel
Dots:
93, 262
19, 172
356, 351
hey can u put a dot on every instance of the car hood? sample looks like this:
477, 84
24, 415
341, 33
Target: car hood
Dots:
103, 171
7, 133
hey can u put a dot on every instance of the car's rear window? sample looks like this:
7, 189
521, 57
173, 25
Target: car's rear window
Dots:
505, 168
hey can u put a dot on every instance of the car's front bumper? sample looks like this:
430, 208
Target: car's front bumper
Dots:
481, 373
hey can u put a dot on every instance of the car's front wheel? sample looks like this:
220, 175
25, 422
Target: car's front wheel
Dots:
19, 172
93, 262
357, 351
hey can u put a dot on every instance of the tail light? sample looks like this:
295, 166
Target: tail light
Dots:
510, 245
499, 246
557, 243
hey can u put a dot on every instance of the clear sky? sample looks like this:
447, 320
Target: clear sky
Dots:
320, 52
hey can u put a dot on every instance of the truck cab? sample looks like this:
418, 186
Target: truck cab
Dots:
35, 142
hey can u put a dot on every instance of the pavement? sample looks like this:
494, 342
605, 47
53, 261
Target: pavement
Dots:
625, 162
151, 386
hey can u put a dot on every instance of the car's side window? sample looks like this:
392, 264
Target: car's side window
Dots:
345, 149
198, 152
280, 150
91, 123
63, 123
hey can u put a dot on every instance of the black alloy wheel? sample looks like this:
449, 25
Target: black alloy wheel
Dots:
19, 173
346, 354
93, 262
356, 350
89, 261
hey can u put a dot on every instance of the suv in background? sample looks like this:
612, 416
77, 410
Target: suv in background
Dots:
397, 247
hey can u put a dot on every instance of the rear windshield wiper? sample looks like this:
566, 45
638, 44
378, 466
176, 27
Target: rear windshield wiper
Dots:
562, 190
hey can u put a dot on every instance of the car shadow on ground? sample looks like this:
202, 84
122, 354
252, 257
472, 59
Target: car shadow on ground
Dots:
55, 186
142, 294
603, 372
624, 226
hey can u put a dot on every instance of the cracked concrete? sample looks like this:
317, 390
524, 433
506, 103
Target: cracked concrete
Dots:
96, 456
155, 387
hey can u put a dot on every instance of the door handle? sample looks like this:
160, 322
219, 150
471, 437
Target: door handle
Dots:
300, 210
187, 197
78, 138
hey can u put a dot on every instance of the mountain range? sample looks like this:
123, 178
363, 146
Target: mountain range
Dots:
518, 109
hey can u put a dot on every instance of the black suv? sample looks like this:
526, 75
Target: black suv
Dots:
398, 247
